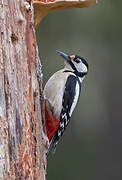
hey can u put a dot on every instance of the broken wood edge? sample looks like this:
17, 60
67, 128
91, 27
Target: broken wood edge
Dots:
41, 9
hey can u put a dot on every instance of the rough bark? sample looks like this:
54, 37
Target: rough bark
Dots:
22, 141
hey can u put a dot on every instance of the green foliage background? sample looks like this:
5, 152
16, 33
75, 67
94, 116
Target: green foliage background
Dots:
91, 147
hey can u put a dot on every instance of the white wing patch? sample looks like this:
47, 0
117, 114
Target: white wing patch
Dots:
77, 91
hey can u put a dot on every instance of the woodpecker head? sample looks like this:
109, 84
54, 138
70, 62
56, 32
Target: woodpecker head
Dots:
77, 63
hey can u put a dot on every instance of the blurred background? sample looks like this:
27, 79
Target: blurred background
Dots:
91, 147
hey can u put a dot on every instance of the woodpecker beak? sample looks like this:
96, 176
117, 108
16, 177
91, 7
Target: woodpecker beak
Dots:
65, 56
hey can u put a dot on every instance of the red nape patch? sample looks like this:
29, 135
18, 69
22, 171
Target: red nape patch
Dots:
51, 123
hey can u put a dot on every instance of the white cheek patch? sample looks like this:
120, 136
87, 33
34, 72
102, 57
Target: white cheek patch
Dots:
84, 68
81, 67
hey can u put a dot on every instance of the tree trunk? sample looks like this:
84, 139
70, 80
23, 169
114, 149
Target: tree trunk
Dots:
22, 141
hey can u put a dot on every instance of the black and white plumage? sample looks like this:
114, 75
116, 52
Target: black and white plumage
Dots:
70, 98
62, 92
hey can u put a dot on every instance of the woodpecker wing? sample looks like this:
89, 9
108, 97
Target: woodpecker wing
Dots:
70, 98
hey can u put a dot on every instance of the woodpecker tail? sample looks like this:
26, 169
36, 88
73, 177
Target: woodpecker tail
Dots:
64, 121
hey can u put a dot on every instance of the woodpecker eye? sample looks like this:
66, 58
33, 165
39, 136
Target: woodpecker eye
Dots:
77, 60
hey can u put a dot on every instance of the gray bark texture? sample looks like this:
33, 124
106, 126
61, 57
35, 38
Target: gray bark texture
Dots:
22, 141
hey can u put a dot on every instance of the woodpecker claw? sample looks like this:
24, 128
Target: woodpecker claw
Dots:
46, 141
43, 98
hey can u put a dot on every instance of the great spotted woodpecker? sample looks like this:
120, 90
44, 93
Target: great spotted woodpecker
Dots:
62, 92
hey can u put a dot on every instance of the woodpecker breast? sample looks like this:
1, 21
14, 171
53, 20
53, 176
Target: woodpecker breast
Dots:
54, 90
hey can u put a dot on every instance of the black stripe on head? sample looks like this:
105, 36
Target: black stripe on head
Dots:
83, 60
72, 65
79, 74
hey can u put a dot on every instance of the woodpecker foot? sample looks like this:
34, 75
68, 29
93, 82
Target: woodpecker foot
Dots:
27, 6
43, 98
46, 141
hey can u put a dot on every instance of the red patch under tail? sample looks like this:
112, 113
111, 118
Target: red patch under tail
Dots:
51, 123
